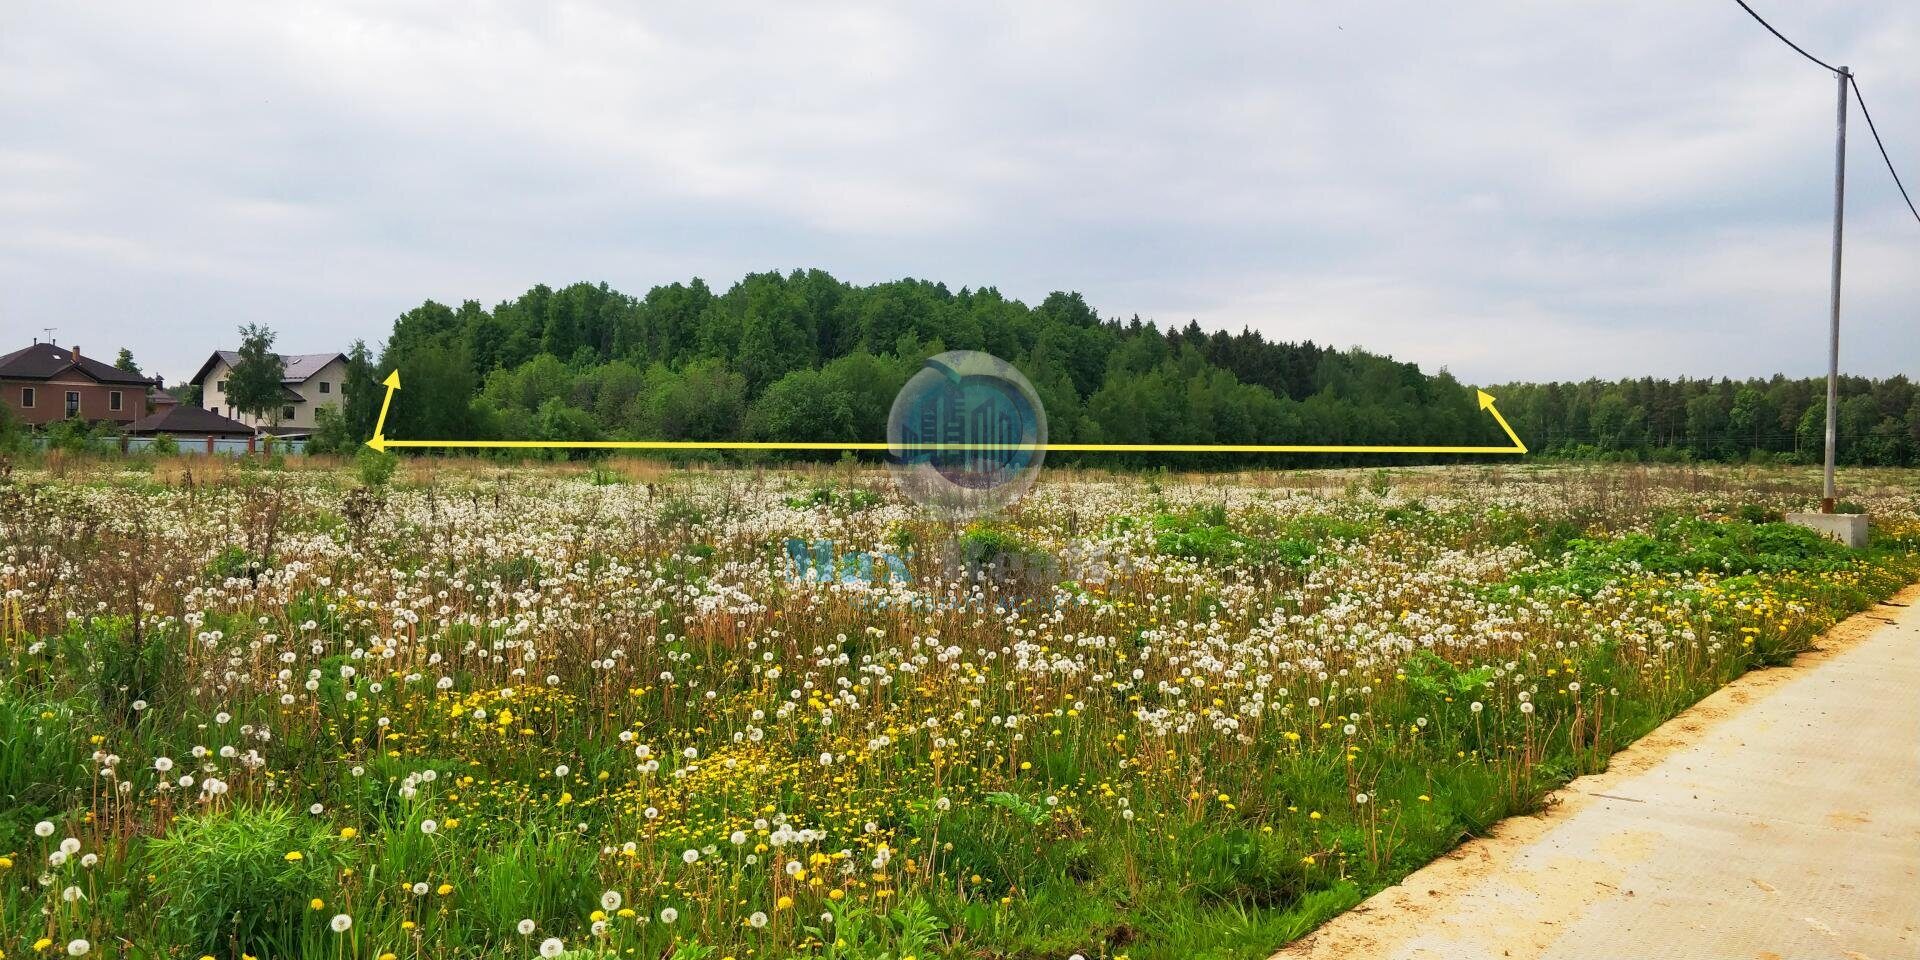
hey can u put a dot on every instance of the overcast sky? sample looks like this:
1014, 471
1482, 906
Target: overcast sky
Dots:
1510, 190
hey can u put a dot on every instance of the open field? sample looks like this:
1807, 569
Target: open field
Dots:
475, 711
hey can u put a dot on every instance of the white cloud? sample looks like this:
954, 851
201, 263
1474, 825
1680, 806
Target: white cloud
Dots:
1511, 190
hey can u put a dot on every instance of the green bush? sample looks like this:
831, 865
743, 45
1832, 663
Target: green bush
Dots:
984, 546
234, 563
132, 668
1686, 545
15, 436
852, 500
74, 435
331, 432
1203, 535
229, 886
375, 467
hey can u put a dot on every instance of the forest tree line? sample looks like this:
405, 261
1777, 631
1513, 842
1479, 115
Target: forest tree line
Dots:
1778, 418
803, 356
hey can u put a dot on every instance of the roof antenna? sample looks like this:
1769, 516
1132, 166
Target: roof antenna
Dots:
49, 332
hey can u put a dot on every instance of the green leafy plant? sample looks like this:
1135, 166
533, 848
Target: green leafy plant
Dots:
375, 467
231, 880
1032, 812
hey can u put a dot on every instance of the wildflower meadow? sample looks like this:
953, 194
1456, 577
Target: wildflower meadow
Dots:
462, 709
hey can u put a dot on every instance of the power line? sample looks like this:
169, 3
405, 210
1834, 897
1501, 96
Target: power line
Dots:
1883, 147
1853, 82
1783, 38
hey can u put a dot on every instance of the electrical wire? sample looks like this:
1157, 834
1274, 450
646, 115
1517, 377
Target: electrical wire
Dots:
1883, 147
1783, 38
1853, 82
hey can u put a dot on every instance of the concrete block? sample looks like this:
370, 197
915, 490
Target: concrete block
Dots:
1848, 528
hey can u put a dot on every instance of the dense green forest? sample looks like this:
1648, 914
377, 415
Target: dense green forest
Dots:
1774, 419
803, 356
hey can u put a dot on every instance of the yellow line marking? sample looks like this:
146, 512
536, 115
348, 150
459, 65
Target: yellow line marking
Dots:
381, 442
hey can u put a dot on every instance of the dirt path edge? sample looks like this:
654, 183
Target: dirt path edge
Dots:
1397, 911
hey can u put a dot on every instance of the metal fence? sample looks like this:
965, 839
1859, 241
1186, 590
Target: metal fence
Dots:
210, 446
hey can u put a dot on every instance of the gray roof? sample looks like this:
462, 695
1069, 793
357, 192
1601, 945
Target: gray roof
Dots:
300, 367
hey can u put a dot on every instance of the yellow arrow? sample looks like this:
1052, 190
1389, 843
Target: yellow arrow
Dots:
1486, 403
380, 442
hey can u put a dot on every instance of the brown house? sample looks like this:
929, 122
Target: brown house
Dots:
190, 423
46, 382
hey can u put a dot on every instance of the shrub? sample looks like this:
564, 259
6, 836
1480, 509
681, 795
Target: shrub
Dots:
229, 886
1203, 535
375, 467
851, 500
73, 435
1685, 545
987, 546
235, 563
15, 436
130, 668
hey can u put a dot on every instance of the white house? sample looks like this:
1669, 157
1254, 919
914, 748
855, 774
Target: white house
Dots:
310, 381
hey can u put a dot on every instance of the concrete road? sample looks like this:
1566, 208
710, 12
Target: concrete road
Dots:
1779, 818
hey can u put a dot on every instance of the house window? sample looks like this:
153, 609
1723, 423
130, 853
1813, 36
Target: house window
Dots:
286, 413
326, 387
73, 403
220, 385
113, 400
26, 396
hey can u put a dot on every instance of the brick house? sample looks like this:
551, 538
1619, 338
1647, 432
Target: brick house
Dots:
47, 382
